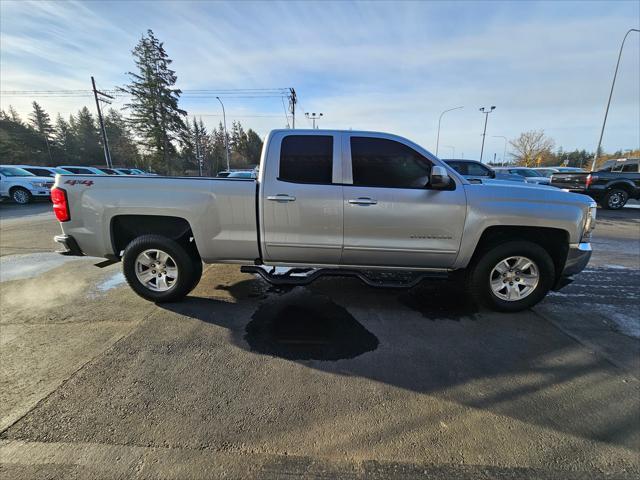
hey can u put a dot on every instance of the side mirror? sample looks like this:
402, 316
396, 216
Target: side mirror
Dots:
492, 174
439, 179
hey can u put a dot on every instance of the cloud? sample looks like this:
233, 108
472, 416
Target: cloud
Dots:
384, 66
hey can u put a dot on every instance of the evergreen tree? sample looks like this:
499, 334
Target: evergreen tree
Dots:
41, 122
13, 115
254, 148
124, 151
155, 114
89, 146
218, 151
65, 141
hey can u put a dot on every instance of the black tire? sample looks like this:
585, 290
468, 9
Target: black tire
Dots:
615, 199
187, 277
197, 270
21, 195
479, 275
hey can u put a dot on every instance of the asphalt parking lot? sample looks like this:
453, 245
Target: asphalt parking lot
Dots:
333, 380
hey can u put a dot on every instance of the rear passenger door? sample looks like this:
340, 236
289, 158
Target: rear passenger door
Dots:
391, 216
301, 199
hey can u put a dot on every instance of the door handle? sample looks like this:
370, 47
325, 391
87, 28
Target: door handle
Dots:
281, 197
363, 201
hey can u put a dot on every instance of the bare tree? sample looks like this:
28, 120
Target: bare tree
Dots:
532, 148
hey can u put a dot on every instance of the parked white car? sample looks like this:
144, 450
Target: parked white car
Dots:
84, 170
22, 186
529, 174
42, 171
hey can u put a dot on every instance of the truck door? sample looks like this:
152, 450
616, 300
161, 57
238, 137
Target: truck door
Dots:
391, 217
301, 199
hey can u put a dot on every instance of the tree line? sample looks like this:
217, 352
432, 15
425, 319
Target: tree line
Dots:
534, 149
155, 135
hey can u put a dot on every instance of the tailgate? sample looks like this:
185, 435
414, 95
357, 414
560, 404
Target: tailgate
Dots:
570, 181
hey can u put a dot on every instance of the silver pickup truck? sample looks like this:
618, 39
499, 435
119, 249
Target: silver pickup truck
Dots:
371, 205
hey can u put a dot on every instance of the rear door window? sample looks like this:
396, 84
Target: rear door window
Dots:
306, 159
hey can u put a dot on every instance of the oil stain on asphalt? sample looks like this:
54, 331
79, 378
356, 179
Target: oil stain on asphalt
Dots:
305, 326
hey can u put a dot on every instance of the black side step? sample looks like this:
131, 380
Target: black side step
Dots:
373, 278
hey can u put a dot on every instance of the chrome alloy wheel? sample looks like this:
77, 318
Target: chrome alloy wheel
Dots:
156, 270
20, 196
514, 278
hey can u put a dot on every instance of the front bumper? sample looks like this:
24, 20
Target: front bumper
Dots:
71, 247
577, 258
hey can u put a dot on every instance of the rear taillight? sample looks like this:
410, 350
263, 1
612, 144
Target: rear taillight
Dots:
590, 180
60, 204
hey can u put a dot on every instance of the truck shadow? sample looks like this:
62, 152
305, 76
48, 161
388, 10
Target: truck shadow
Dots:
516, 365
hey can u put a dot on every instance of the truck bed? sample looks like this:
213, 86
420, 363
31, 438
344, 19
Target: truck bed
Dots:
221, 212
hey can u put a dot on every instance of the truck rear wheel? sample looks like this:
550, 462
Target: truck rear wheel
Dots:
615, 199
160, 269
511, 276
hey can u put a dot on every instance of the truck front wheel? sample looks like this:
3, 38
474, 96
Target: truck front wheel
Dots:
159, 269
511, 276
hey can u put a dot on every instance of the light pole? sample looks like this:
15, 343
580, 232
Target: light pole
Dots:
313, 117
484, 134
504, 154
440, 120
226, 137
453, 150
613, 83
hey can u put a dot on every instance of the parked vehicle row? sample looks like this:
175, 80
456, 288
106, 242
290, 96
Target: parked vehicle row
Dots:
23, 183
611, 186
330, 202
22, 186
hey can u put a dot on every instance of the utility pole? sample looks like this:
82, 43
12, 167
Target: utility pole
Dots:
226, 137
606, 112
453, 150
314, 116
107, 153
198, 155
439, 120
504, 154
293, 99
484, 133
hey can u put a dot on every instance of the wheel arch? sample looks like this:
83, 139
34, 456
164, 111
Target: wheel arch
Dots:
554, 240
125, 228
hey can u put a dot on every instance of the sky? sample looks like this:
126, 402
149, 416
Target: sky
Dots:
380, 66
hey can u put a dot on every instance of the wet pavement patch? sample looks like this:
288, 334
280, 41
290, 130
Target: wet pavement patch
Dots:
303, 326
439, 300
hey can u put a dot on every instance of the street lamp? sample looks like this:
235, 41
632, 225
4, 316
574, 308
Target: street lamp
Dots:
439, 120
313, 117
504, 154
453, 150
606, 112
484, 134
226, 137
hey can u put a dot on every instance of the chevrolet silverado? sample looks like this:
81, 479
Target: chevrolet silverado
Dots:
325, 202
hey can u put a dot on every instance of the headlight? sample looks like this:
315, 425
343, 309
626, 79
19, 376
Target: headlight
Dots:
589, 223
38, 184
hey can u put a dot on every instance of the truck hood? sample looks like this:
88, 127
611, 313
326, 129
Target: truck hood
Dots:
517, 192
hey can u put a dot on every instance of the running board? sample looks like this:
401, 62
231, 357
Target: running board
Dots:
373, 278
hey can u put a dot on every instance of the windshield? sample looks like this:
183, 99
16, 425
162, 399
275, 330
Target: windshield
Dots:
15, 172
